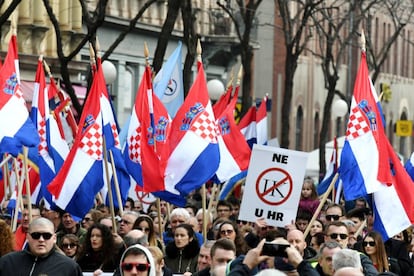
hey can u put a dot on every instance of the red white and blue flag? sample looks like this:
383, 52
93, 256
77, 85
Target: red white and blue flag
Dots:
223, 101
364, 166
247, 126
261, 123
331, 171
81, 176
52, 149
369, 164
195, 155
409, 166
16, 129
234, 150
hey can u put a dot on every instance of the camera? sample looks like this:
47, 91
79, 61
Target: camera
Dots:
274, 249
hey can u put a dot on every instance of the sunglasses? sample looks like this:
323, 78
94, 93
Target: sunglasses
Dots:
138, 266
143, 229
334, 236
87, 219
69, 245
36, 235
332, 217
370, 243
228, 232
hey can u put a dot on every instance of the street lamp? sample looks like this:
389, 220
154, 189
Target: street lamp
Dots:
215, 89
109, 71
339, 108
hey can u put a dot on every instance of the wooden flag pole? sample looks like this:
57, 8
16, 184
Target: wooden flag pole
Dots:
108, 183
5, 160
19, 196
26, 171
203, 205
323, 200
160, 225
116, 183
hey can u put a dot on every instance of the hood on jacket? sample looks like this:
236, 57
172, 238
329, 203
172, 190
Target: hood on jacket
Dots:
147, 254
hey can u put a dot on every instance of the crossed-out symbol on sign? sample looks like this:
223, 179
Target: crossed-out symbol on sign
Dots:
144, 197
274, 186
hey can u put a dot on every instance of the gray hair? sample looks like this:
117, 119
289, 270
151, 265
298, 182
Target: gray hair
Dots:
209, 215
180, 212
346, 258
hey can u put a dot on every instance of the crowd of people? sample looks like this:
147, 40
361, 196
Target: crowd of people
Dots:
164, 240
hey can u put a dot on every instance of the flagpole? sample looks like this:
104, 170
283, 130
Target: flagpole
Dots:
5, 160
28, 192
160, 225
203, 204
323, 200
108, 183
19, 196
116, 183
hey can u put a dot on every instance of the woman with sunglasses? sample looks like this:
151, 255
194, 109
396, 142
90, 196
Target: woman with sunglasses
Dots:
373, 247
146, 225
70, 245
98, 250
182, 252
137, 260
228, 229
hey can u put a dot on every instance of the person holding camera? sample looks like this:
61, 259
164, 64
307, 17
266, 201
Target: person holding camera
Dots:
256, 256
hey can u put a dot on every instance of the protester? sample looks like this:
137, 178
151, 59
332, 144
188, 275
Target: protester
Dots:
70, 226
182, 253
297, 239
160, 268
137, 260
324, 266
348, 271
373, 247
222, 252
54, 216
228, 229
179, 216
337, 231
309, 200
334, 212
129, 204
346, 258
92, 217
127, 222
20, 235
204, 256
70, 245
98, 250
157, 220
146, 225
41, 256
223, 209
6, 238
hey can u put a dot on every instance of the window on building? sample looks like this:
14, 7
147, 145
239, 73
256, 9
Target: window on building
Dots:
299, 128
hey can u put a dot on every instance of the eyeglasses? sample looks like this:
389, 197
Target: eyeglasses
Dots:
138, 266
334, 236
332, 217
242, 222
226, 232
125, 221
143, 229
69, 245
36, 235
87, 219
370, 243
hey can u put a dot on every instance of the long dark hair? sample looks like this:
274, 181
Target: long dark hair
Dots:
108, 245
152, 240
241, 246
381, 254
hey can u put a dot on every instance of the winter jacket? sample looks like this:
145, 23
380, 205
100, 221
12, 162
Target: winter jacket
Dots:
147, 253
182, 260
24, 263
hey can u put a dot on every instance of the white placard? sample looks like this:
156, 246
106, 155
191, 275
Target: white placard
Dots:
273, 185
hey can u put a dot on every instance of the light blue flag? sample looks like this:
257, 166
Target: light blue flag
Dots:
168, 83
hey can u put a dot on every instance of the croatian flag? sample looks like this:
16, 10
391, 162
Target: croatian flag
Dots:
261, 123
247, 126
234, 150
113, 146
364, 166
52, 149
81, 176
223, 102
195, 155
330, 173
409, 166
393, 206
17, 129
146, 150
168, 83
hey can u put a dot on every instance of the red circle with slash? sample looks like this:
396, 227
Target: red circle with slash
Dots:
275, 180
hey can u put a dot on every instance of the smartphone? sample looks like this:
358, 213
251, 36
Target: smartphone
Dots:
274, 249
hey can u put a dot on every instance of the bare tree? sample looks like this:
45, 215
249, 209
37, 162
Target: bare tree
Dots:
295, 16
247, 11
10, 8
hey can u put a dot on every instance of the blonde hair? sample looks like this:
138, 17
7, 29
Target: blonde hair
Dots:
156, 254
